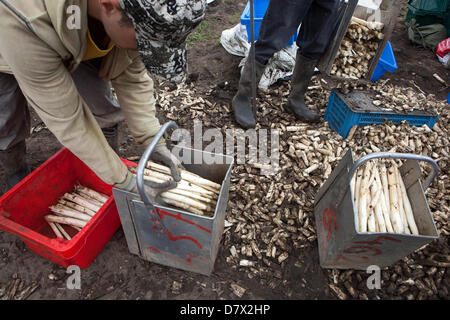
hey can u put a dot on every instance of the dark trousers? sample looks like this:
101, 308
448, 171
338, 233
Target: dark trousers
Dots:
15, 117
282, 19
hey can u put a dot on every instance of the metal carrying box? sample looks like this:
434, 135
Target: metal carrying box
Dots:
173, 237
387, 14
341, 245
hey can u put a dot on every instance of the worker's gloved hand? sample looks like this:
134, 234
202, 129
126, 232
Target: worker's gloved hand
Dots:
162, 154
152, 189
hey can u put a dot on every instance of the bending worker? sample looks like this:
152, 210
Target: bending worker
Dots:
280, 22
60, 56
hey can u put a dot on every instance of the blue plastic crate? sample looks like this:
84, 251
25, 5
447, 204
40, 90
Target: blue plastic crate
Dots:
386, 63
260, 8
346, 110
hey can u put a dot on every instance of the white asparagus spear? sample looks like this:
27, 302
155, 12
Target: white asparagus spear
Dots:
185, 188
381, 214
402, 210
82, 201
165, 177
76, 228
185, 195
55, 230
375, 204
199, 189
86, 197
65, 234
400, 199
364, 191
92, 193
372, 175
66, 220
374, 193
190, 202
184, 206
186, 175
407, 206
371, 221
370, 215
76, 207
384, 183
394, 206
373, 25
386, 215
385, 204
191, 195
180, 185
67, 212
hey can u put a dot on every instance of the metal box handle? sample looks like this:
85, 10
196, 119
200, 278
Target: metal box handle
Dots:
407, 156
143, 162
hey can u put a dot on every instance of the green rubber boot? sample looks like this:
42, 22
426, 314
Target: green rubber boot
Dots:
241, 103
303, 72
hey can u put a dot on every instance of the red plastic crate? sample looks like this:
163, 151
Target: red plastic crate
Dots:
22, 211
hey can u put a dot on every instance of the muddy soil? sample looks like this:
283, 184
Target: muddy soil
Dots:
117, 274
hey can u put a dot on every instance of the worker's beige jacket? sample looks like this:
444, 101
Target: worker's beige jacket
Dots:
37, 46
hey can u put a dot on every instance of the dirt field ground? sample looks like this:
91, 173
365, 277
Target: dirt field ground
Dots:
116, 274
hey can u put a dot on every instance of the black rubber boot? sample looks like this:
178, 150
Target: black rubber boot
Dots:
241, 103
303, 72
13, 163
112, 136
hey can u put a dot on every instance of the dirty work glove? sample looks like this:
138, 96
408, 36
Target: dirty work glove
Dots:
162, 154
152, 189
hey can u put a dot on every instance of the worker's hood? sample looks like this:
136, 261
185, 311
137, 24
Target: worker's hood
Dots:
162, 28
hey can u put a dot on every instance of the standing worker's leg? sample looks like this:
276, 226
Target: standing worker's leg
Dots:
313, 40
14, 129
280, 22
100, 100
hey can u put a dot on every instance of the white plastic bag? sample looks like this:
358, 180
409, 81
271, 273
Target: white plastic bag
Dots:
281, 65
443, 52
445, 60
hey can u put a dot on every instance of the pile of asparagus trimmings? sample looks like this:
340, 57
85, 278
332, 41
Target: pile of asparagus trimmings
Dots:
380, 199
357, 49
75, 209
193, 193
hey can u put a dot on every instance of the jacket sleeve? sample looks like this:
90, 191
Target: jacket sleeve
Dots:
136, 95
50, 90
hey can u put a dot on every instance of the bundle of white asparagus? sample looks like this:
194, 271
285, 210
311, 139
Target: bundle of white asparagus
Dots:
380, 199
75, 209
357, 49
193, 193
